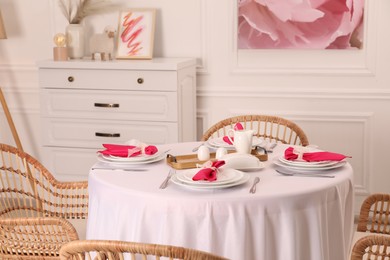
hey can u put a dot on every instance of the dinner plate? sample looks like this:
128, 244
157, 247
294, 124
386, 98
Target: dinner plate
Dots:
224, 176
141, 157
155, 159
308, 164
219, 142
243, 180
309, 169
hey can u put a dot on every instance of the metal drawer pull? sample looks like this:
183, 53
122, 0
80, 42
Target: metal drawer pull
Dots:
107, 135
140, 80
70, 79
106, 105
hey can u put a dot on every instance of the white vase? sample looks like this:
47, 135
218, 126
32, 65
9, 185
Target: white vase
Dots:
75, 41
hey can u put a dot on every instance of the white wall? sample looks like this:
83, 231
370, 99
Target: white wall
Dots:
340, 98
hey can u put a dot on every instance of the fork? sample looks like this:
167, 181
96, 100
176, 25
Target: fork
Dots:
164, 184
304, 174
253, 188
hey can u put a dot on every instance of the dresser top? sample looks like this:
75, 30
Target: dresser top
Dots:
155, 64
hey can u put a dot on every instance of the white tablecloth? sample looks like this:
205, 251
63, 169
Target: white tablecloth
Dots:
300, 218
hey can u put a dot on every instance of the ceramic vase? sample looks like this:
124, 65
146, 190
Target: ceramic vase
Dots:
75, 41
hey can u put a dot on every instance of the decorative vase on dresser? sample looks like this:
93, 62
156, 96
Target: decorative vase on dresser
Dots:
75, 41
85, 104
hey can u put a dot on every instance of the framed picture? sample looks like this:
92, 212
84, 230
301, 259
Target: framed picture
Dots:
136, 34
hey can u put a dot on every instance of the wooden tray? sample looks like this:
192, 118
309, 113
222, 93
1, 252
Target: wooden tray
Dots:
189, 161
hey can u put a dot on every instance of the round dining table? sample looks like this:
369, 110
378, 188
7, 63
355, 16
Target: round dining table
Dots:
289, 217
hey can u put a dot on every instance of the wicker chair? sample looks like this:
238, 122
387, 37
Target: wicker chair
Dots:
35, 208
268, 127
110, 249
374, 214
371, 247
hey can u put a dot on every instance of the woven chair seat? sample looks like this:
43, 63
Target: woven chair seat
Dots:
106, 249
268, 127
35, 208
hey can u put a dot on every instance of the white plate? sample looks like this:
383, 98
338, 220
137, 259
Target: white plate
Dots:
243, 180
141, 157
308, 164
219, 142
309, 169
155, 159
223, 176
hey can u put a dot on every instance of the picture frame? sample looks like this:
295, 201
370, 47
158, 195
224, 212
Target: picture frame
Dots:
135, 36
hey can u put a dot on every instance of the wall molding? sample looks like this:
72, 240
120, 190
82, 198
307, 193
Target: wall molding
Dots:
349, 94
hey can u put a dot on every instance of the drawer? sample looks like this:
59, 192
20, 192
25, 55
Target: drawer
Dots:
79, 133
108, 79
69, 164
113, 105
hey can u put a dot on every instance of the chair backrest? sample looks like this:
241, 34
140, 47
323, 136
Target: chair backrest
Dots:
106, 249
34, 238
374, 214
269, 127
372, 247
28, 189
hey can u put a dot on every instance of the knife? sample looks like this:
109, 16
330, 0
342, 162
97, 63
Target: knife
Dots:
121, 169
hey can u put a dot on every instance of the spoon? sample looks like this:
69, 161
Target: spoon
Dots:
304, 174
253, 188
196, 148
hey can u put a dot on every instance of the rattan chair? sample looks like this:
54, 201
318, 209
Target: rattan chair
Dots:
268, 127
110, 249
371, 247
35, 208
374, 214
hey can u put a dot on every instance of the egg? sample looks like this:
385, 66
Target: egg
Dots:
221, 151
203, 153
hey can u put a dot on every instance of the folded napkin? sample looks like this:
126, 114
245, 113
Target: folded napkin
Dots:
209, 172
296, 154
128, 150
237, 126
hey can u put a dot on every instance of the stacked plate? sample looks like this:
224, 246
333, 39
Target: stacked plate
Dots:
140, 159
219, 142
225, 178
303, 166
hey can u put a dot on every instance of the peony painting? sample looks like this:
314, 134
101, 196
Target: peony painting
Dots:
302, 24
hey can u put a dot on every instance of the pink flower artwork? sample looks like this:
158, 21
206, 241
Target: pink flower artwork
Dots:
303, 24
130, 33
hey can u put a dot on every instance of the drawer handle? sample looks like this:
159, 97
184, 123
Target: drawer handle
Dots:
70, 79
107, 135
106, 105
140, 80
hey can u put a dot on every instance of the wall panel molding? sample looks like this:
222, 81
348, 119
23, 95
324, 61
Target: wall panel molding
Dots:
324, 93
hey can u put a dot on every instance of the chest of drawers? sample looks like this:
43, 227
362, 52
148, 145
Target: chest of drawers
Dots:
85, 104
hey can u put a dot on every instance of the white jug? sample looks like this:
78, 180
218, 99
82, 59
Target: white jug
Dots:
242, 140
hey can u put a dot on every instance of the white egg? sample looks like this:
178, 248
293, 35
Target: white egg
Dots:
221, 151
203, 153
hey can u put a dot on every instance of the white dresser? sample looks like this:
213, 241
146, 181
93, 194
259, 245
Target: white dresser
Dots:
87, 103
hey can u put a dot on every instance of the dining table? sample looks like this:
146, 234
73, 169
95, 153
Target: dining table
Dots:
288, 217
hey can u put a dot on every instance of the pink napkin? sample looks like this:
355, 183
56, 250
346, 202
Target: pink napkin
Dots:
291, 154
208, 173
237, 126
127, 150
